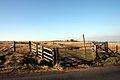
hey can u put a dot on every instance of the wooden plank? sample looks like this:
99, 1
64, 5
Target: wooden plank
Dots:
39, 53
11, 47
39, 47
34, 53
40, 57
33, 50
33, 44
48, 57
48, 49
39, 50
47, 60
14, 46
45, 53
45, 50
34, 47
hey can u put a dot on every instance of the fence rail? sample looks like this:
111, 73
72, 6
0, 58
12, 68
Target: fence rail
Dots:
51, 55
44, 53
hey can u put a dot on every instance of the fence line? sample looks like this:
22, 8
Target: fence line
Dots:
44, 53
52, 55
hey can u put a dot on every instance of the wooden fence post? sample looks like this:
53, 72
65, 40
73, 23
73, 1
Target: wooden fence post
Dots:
56, 54
30, 46
96, 51
106, 47
42, 53
14, 46
84, 45
97, 55
53, 43
37, 49
116, 48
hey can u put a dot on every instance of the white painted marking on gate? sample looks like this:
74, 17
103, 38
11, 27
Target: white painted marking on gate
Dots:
48, 49
48, 54
39, 50
48, 57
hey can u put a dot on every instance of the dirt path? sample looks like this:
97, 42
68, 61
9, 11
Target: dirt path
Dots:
108, 73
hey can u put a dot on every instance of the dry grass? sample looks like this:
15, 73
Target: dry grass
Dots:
61, 44
23, 50
112, 46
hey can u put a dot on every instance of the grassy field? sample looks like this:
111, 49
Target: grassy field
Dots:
60, 44
13, 61
22, 50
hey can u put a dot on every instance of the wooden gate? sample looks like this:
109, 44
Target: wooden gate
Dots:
44, 53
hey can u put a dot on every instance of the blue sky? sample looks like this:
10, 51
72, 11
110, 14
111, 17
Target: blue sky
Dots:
59, 19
